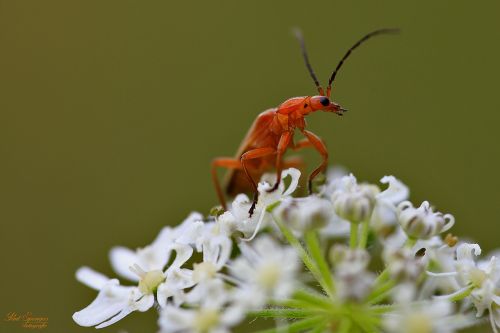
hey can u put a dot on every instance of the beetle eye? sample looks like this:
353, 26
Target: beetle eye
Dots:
324, 101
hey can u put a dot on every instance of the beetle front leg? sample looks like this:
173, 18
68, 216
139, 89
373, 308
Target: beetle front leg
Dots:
282, 146
249, 155
321, 148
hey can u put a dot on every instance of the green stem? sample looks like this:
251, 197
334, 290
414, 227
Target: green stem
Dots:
367, 324
314, 300
382, 308
365, 230
297, 326
354, 235
315, 251
289, 303
345, 325
382, 277
320, 328
302, 253
381, 293
282, 313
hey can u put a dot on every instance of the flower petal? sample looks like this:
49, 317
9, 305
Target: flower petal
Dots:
111, 300
176, 281
183, 253
395, 193
165, 236
295, 175
91, 278
466, 251
217, 251
143, 304
121, 259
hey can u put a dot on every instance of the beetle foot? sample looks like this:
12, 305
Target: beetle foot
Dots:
310, 186
252, 208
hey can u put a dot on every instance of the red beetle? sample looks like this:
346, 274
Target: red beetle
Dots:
272, 132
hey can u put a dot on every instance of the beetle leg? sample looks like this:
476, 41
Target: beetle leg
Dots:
304, 143
285, 139
294, 162
321, 148
249, 155
224, 162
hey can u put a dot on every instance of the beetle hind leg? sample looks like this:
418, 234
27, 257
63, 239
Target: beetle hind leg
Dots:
223, 162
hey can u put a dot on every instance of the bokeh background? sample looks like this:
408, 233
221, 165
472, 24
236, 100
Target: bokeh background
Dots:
110, 112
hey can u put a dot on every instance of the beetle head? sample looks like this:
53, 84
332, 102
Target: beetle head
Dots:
323, 103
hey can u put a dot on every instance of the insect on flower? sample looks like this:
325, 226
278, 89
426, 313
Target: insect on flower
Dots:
271, 135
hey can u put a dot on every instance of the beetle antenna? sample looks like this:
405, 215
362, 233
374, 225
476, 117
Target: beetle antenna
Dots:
348, 53
300, 38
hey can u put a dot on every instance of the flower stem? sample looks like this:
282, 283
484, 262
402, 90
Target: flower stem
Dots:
354, 235
382, 308
320, 328
290, 303
297, 326
313, 300
315, 251
302, 254
381, 292
281, 313
382, 277
345, 325
365, 229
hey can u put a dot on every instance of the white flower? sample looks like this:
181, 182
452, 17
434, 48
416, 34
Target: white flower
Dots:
352, 201
354, 281
336, 228
303, 214
426, 317
216, 248
439, 255
156, 255
482, 278
113, 302
404, 264
423, 222
210, 311
265, 270
263, 275
146, 266
250, 226
333, 180
384, 219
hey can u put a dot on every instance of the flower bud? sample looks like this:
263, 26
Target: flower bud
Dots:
354, 202
404, 264
423, 222
349, 260
303, 214
355, 282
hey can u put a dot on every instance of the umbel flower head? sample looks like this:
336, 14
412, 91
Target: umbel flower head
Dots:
351, 258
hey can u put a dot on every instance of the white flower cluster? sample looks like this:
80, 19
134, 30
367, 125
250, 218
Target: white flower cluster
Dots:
310, 262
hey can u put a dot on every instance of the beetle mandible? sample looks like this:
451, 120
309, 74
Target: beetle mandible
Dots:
271, 134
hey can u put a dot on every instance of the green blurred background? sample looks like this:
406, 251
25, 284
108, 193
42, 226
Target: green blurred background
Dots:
110, 112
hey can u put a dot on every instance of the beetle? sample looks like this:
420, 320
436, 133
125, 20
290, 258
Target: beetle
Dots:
271, 134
